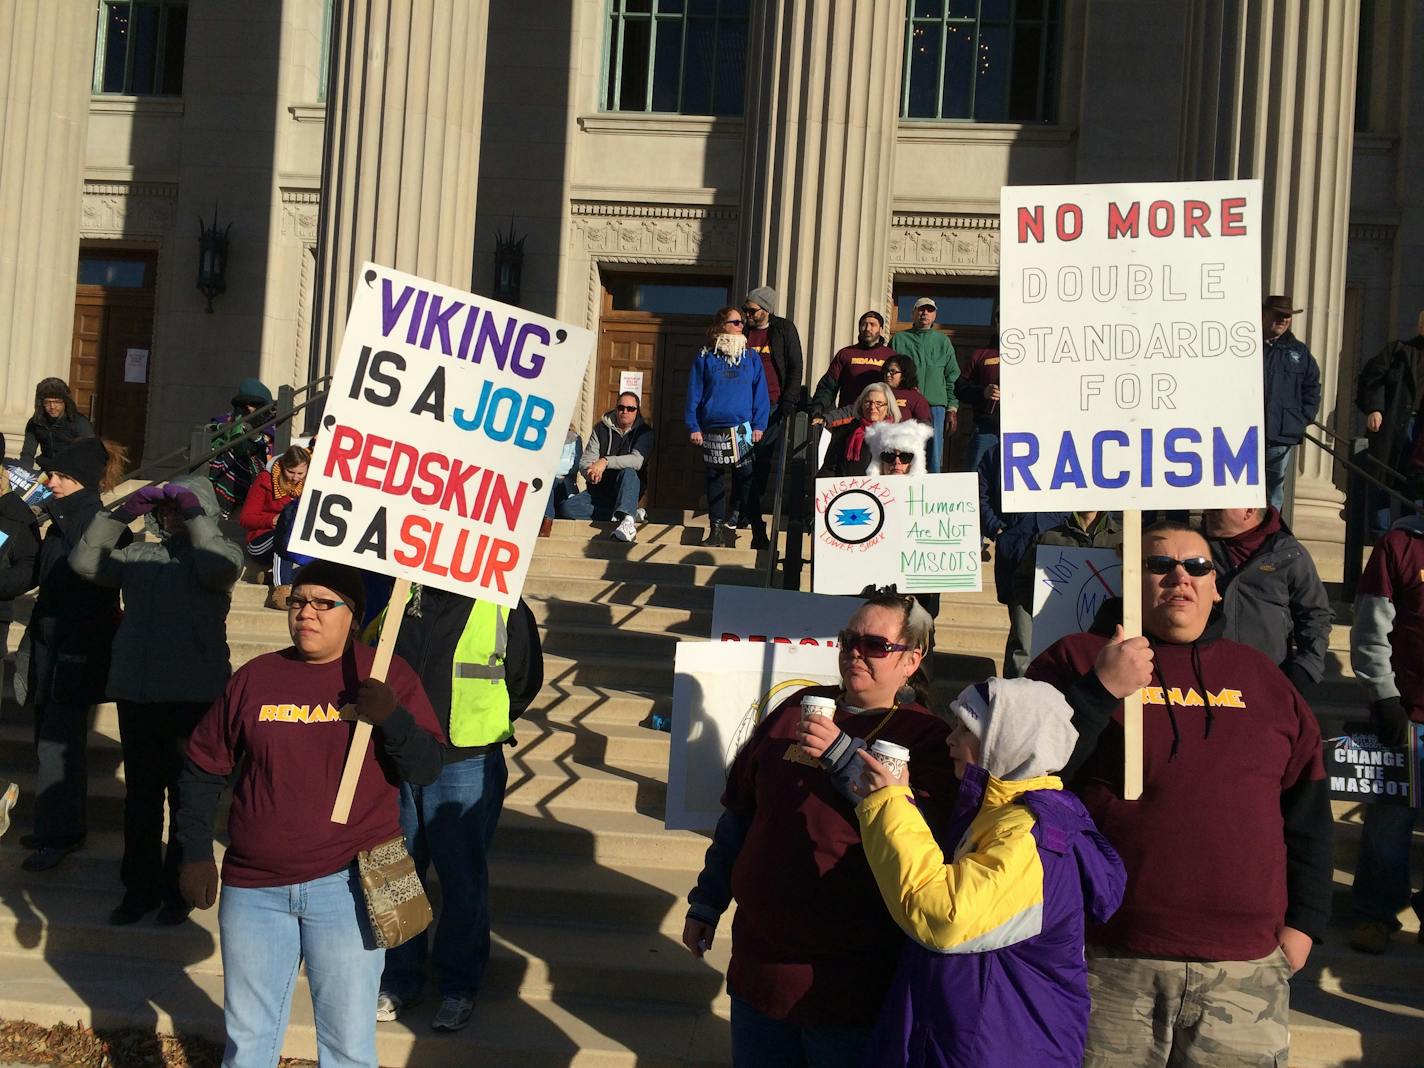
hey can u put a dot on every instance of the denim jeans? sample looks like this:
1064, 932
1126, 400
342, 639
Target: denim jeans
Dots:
717, 509
451, 823
612, 498
935, 450
154, 736
758, 1041
62, 780
1382, 884
266, 934
1278, 459
981, 443
764, 454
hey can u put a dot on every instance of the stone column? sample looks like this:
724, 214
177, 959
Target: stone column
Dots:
1274, 98
46, 72
402, 148
822, 108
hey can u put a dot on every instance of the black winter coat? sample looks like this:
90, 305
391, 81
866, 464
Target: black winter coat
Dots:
1387, 384
1292, 390
20, 547
45, 437
72, 627
785, 342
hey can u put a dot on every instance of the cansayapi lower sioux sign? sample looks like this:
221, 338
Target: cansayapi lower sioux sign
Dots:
1130, 346
444, 424
919, 532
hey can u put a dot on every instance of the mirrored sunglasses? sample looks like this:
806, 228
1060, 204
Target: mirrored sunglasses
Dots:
1195, 566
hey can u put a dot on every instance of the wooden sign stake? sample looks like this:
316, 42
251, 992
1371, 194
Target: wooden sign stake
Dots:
1131, 628
361, 737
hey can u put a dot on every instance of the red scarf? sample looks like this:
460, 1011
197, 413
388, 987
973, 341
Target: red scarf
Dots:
1246, 544
856, 442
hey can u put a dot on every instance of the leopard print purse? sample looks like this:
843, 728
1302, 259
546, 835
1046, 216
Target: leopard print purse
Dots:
395, 899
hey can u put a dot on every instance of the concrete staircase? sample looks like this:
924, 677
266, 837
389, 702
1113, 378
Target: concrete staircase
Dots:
588, 889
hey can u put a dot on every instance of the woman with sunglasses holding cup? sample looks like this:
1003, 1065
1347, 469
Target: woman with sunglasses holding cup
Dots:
727, 412
813, 951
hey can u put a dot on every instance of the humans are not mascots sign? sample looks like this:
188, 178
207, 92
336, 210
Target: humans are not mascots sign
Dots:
1130, 346
445, 421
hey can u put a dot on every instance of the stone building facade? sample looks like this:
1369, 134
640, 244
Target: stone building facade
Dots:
645, 160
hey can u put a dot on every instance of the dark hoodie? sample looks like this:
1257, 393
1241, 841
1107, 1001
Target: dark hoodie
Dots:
19, 546
631, 448
45, 437
1231, 838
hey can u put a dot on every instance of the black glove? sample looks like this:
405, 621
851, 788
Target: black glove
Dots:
1391, 721
784, 407
1301, 680
375, 701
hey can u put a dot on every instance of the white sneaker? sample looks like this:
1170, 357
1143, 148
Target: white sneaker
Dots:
7, 802
626, 530
389, 1006
454, 1014
641, 515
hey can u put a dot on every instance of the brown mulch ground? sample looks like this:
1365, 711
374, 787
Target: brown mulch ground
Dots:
82, 1047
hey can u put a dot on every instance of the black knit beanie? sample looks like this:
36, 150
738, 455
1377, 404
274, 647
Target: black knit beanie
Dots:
83, 460
348, 581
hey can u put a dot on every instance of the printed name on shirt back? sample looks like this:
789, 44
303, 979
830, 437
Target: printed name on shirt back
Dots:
1188, 698
327, 713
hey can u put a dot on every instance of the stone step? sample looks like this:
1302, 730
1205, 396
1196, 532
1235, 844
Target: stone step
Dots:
562, 1031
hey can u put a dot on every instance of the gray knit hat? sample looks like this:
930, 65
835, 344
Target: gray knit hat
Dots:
763, 297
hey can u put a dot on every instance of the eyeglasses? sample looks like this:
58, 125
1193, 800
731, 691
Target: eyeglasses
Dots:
750, 309
876, 405
321, 604
893, 372
1195, 566
870, 646
733, 322
897, 457
627, 407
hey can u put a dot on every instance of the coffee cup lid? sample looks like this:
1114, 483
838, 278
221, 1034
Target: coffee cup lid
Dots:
890, 749
817, 701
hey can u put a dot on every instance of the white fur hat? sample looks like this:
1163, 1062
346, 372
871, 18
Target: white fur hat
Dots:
909, 436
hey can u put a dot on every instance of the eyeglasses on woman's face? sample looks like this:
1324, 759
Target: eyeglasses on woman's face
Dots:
320, 604
870, 646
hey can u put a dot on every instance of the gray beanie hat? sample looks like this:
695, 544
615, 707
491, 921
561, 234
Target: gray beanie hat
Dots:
763, 297
1025, 728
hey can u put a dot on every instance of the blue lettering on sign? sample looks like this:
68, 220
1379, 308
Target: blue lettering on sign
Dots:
1187, 455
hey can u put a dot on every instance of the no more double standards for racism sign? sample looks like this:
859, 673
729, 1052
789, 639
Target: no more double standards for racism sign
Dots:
443, 426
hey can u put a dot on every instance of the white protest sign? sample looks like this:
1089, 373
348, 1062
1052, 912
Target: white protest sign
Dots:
721, 691
920, 532
1069, 586
446, 416
787, 617
1130, 346
630, 382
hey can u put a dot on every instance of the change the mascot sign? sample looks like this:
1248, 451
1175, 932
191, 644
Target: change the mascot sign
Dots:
443, 427
1130, 346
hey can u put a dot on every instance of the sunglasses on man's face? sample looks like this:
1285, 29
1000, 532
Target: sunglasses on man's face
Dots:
627, 407
870, 646
897, 457
1195, 566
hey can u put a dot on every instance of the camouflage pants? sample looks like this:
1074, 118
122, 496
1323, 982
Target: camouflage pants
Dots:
1212, 1014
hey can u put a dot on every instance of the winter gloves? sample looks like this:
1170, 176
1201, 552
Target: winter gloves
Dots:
150, 497
375, 701
1391, 721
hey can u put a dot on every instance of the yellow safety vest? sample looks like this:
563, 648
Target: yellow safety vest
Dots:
479, 698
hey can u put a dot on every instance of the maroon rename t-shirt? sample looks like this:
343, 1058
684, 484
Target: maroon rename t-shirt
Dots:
759, 341
281, 714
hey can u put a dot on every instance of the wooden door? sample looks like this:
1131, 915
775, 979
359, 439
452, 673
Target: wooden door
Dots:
107, 388
680, 478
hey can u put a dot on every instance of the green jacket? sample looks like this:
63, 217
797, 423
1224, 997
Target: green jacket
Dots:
935, 364
172, 643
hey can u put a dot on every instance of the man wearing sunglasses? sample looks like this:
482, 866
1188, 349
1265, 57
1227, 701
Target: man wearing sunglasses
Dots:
615, 466
1228, 850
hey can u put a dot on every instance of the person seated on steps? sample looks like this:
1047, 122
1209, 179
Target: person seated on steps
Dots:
565, 481
614, 466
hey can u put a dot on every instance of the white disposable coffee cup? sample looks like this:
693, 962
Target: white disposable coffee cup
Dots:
817, 706
896, 758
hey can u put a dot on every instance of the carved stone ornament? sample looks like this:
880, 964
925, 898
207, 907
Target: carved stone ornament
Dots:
944, 244
301, 211
124, 209
653, 234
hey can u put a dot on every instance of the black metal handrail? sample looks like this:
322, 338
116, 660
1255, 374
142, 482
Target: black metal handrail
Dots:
790, 472
278, 416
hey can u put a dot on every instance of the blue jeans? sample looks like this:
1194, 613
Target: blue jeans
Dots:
1382, 885
451, 823
612, 498
758, 1041
267, 933
936, 446
1278, 459
981, 443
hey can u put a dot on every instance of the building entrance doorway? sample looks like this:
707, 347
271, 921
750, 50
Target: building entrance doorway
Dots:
109, 362
653, 326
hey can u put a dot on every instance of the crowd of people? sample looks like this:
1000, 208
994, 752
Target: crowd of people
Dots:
914, 885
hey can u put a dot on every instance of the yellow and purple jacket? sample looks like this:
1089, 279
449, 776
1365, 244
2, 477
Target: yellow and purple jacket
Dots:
994, 972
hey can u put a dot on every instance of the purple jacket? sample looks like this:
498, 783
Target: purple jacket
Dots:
993, 973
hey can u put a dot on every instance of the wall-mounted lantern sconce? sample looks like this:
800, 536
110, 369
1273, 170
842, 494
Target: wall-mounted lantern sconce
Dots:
212, 258
508, 264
